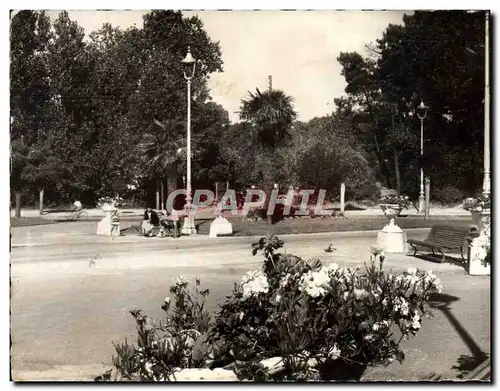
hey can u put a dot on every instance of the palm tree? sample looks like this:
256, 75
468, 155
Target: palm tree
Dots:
271, 115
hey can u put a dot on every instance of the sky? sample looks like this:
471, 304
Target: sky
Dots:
297, 48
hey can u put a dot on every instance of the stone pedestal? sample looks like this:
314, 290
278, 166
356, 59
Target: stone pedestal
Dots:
220, 226
477, 247
104, 227
392, 239
477, 253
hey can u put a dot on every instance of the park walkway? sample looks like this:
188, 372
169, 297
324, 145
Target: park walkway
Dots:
82, 291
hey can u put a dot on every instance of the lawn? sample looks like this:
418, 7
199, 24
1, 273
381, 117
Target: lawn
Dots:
29, 221
304, 226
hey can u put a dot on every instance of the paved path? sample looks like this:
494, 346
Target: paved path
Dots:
71, 298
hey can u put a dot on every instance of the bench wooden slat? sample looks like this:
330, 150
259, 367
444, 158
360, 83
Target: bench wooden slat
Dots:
444, 237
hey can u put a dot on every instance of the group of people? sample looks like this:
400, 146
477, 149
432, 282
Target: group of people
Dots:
154, 225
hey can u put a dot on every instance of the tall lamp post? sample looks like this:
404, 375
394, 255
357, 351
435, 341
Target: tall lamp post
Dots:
486, 178
189, 64
422, 113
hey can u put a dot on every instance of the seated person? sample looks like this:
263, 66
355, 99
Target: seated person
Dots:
151, 221
169, 222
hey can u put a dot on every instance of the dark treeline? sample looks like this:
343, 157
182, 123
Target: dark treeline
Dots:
93, 115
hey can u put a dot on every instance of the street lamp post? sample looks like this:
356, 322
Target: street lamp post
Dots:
422, 113
190, 66
486, 178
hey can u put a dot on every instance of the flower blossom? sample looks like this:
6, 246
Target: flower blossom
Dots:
369, 337
411, 276
334, 352
314, 282
415, 321
431, 282
360, 294
401, 305
254, 282
284, 282
381, 325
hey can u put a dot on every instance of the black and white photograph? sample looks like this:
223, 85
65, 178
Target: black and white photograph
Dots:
250, 195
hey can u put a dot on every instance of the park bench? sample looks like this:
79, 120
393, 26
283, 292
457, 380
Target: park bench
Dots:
444, 237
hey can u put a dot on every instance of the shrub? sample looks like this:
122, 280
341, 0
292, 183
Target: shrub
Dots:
315, 321
307, 313
164, 347
449, 195
402, 200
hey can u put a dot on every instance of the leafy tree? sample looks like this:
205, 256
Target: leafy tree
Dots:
271, 115
436, 56
30, 92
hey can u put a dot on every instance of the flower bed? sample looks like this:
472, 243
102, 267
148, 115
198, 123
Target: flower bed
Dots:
259, 214
402, 201
477, 204
292, 320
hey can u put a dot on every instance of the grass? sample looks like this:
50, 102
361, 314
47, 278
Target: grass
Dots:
304, 226
29, 221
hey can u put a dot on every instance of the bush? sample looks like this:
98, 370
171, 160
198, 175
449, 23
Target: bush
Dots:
449, 195
163, 347
307, 313
292, 320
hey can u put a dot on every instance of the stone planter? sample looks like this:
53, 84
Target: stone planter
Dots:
391, 238
477, 252
482, 221
392, 212
104, 227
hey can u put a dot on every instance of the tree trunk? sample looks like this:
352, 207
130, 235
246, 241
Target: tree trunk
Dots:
157, 195
18, 204
41, 202
216, 193
162, 194
342, 197
398, 174
171, 180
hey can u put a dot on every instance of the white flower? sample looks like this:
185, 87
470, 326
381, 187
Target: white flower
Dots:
284, 282
167, 300
334, 352
376, 326
385, 302
346, 295
431, 282
400, 304
360, 294
278, 298
242, 315
332, 267
369, 337
314, 282
181, 280
254, 282
149, 368
415, 324
404, 308
411, 275
315, 291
